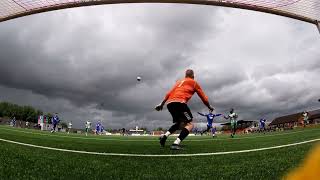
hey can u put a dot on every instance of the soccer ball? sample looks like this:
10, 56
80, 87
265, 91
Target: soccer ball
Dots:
138, 78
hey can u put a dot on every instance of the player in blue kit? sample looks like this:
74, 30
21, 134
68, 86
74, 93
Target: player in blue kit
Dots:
55, 121
262, 125
213, 131
98, 128
101, 129
210, 118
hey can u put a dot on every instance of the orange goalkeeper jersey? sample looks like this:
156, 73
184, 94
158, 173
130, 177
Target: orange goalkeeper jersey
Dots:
183, 91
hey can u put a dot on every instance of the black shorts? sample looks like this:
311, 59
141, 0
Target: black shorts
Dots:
180, 112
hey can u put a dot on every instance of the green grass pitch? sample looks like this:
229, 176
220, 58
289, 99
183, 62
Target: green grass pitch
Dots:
22, 162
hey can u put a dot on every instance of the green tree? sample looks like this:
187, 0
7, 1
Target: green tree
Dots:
29, 114
24, 113
5, 109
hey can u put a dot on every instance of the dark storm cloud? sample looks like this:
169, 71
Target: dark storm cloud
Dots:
84, 62
268, 71
57, 55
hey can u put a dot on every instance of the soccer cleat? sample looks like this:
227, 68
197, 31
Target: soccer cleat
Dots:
175, 147
163, 140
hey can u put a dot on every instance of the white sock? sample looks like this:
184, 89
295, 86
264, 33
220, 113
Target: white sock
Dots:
177, 141
167, 133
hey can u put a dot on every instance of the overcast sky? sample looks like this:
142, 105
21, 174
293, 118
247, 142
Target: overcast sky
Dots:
83, 62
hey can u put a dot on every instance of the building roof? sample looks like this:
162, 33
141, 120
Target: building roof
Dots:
315, 114
295, 117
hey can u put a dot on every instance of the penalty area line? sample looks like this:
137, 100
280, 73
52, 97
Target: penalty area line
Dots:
159, 155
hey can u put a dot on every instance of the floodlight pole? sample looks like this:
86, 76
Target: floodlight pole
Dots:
318, 25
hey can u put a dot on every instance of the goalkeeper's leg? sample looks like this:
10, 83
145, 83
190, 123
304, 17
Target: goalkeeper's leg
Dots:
171, 130
188, 126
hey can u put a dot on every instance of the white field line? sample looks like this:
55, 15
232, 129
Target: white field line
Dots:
104, 139
160, 155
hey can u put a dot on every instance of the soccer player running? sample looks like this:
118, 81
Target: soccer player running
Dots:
177, 99
27, 124
101, 129
210, 116
262, 125
69, 127
55, 121
88, 126
123, 131
98, 128
305, 116
13, 122
233, 121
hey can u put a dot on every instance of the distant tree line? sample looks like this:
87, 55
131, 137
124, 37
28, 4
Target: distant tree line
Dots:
24, 113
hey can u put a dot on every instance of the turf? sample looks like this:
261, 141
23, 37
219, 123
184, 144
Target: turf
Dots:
20, 162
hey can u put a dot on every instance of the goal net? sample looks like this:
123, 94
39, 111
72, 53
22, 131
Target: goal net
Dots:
305, 10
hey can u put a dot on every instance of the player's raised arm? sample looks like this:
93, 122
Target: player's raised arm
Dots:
203, 96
